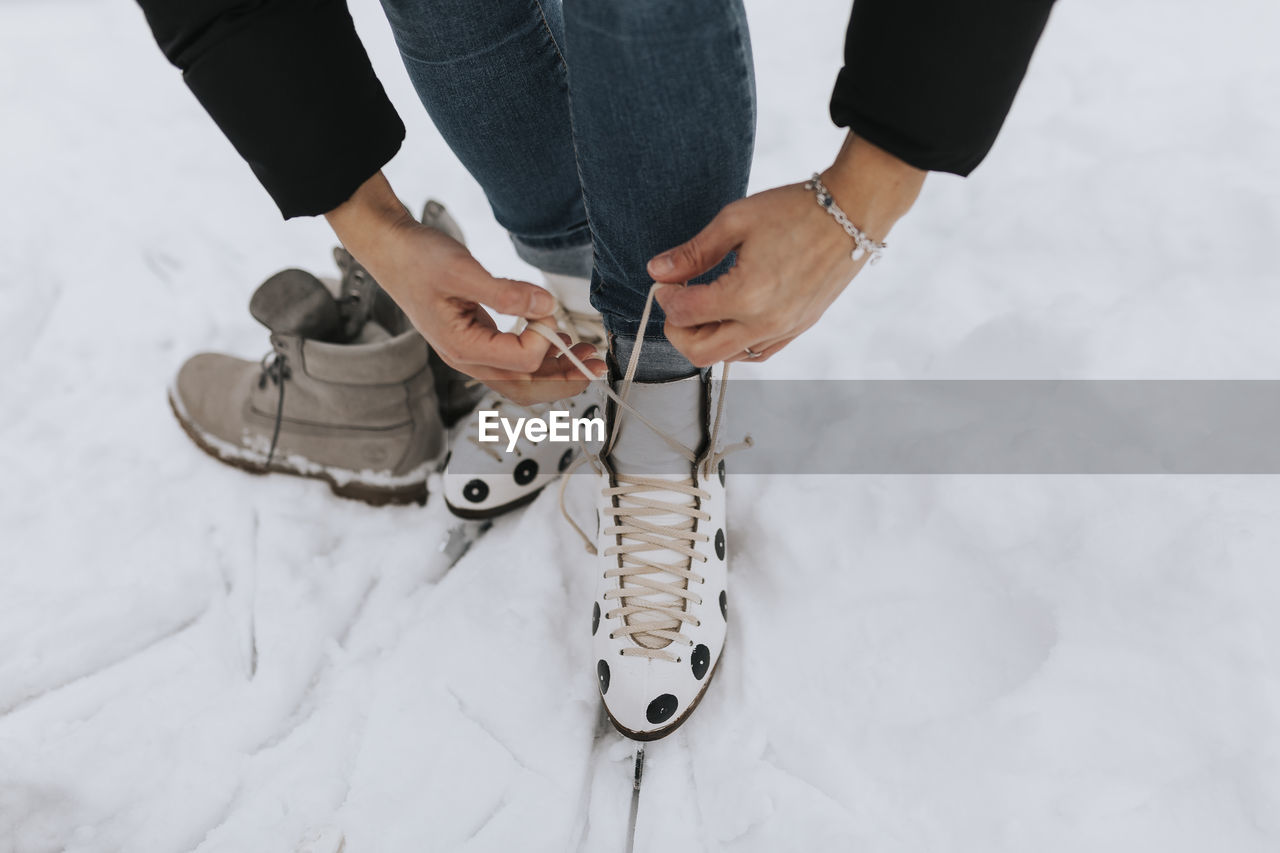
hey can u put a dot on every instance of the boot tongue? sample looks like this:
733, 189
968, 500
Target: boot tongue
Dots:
675, 407
294, 302
362, 299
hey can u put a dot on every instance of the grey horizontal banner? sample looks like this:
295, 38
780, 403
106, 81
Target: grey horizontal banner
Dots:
1006, 427
1003, 426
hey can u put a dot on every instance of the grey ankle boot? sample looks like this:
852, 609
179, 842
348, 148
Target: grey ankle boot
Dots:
362, 417
350, 393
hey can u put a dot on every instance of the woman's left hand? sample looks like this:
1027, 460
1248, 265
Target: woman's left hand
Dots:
793, 259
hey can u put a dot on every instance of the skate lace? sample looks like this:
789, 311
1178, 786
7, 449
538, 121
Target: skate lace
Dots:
653, 596
583, 325
654, 609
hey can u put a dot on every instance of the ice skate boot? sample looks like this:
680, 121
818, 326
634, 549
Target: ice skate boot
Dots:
481, 479
661, 607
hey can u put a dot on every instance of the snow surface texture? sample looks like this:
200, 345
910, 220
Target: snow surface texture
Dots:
195, 659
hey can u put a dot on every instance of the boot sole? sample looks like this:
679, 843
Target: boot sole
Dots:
352, 489
646, 737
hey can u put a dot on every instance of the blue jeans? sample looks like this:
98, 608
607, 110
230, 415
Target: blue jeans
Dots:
602, 131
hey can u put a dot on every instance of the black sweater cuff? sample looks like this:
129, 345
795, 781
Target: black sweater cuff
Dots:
931, 81
292, 88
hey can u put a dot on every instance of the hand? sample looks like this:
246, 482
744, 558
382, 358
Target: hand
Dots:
443, 289
793, 259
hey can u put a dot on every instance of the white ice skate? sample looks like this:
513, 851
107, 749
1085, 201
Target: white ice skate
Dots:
659, 619
482, 480
660, 613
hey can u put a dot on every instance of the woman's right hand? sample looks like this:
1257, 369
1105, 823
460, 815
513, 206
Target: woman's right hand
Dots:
442, 289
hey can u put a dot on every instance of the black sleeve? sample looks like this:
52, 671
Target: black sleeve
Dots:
931, 81
291, 86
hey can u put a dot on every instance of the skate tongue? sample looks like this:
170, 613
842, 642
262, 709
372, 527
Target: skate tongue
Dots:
675, 407
571, 291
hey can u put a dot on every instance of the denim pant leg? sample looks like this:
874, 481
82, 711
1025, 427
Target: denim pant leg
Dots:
663, 106
492, 77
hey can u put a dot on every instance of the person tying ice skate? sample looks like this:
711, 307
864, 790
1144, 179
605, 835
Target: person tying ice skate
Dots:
613, 140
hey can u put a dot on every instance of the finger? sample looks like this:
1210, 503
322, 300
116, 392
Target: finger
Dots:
696, 304
563, 367
529, 392
474, 340
707, 248
705, 345
581, 350
768, 347
584, 347
577, 349
555, 368
763, 343
508, 296
586, 353
765, 351
558, 379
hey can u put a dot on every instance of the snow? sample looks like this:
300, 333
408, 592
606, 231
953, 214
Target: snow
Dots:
194, 659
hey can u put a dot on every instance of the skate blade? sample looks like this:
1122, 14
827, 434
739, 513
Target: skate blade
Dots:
461, 537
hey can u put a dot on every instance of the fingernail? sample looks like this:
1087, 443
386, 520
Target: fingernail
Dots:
543, 303
662, 264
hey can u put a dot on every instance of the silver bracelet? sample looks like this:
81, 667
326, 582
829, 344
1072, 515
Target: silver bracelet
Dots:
863, 244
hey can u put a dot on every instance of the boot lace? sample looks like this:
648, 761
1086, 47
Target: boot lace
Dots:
274, 368
653, 596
